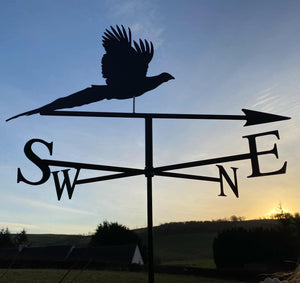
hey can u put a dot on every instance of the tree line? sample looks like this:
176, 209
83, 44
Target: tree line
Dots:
212, 226
8, 240
279, 244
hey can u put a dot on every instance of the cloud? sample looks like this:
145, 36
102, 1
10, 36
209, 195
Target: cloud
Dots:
17, 227
266, 98
123, 8
274, 99
142, 16
44, 205
269, 99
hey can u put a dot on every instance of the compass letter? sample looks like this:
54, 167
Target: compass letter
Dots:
233, 186
254, 155
37, 161
66, 183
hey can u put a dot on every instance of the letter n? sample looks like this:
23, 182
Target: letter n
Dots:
233, 185
66, 183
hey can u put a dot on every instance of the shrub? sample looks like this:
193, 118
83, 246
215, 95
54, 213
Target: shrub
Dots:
238, 246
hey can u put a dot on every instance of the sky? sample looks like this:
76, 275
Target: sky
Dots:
225, 56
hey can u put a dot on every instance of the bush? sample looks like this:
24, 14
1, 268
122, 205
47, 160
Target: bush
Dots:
5, 238
109, 233
238, 246
113, 234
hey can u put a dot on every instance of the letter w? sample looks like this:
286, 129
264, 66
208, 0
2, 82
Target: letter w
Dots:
66, 183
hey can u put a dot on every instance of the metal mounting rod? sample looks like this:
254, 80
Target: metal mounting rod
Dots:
149, 175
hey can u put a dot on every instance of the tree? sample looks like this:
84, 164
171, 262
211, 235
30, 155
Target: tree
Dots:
21, 238
5, 238
235, 218
109, 233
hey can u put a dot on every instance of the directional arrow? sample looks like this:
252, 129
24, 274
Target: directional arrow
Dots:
256, 117
252, 117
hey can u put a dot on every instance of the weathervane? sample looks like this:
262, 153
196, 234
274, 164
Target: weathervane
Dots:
125, 68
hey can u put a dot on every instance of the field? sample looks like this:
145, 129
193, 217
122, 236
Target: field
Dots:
188, 249
184, 243
59, 275
176, 246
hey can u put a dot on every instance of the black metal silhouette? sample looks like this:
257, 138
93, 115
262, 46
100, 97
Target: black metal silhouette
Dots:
65, 182
124, 67
68, 184
252, 117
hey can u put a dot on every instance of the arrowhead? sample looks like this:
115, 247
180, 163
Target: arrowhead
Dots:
256, 117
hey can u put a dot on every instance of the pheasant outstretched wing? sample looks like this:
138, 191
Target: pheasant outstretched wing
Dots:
123, 63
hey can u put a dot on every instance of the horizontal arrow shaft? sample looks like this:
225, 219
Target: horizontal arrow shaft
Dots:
188, 176
107, 177
251, 117
92, 166
217, 160
144, 115
156, 170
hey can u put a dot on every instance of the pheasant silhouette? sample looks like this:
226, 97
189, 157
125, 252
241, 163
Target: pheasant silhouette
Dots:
123, 66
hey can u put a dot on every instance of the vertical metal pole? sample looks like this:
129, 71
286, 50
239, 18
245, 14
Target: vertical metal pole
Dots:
133, 109
149, 175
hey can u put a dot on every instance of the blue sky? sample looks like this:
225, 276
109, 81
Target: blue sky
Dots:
224, 55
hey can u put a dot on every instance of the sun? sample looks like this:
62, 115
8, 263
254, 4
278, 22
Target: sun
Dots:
278, 210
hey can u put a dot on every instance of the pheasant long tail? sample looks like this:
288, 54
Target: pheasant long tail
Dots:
86, 96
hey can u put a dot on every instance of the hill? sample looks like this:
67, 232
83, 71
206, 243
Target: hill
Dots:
58, 239
162, 230
177, 243
190, 243
214, 226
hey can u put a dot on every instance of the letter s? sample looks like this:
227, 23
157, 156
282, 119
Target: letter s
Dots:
37, 161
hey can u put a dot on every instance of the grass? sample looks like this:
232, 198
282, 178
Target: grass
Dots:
190, 249
55, 275
200, 263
